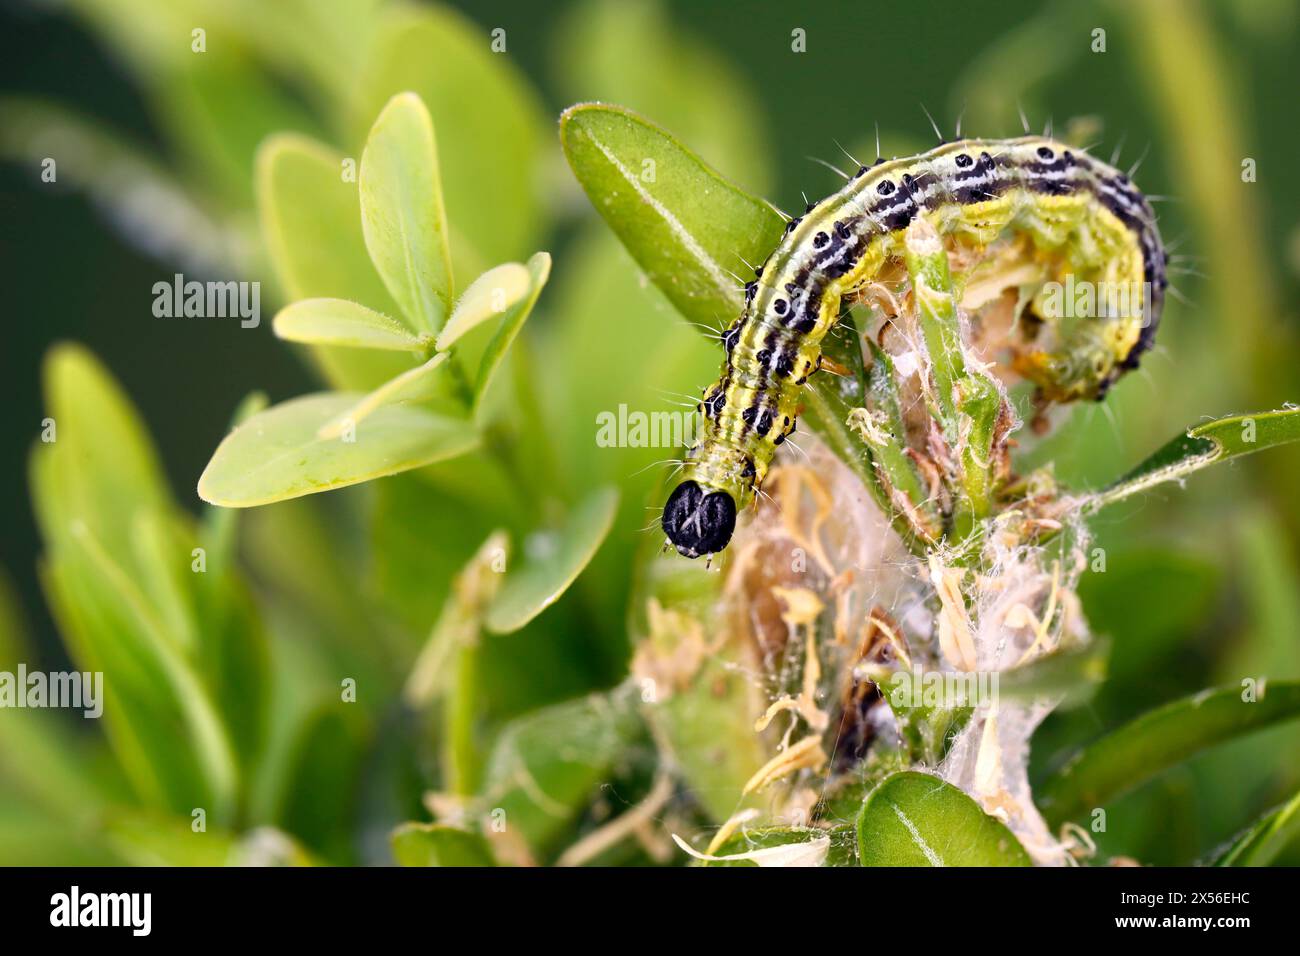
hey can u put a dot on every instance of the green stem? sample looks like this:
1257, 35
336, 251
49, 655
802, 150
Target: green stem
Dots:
979, 403
829, 415
460, 751
936, 308
966, 404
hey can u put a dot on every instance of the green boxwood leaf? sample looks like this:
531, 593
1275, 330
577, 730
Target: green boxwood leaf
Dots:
539, 270
279, 453
435, 844
490, 295
120, 577
102, 469
490, 165
687, 227
340, 322
411, 386
543, 579
161, 722
311, 224
1158, 740
94, 488
402, 214
1263, 840
1220, 440
914, 819
546, 765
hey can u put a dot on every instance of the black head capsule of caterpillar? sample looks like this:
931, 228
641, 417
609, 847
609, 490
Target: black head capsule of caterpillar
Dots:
699, 520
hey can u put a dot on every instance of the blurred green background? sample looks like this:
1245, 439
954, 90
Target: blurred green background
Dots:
1202, 585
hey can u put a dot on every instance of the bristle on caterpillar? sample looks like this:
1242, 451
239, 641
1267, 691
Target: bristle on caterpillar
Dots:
1081, 217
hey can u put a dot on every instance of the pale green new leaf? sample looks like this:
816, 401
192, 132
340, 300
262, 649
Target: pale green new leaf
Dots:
102, 467
311, 224
411, 386
542, 580
340, 322
1158, 740
490, 166
487, 297
279, 453
539, 269
402, 214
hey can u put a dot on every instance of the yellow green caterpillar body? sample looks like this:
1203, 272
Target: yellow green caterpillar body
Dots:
1072, 208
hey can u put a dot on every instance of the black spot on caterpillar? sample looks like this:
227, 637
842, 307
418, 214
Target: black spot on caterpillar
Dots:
1076, 208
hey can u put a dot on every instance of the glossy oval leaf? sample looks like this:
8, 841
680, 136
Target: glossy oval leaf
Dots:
1261, 842
166, 731
410, 386
544, 578
487, 297
340, 322
490, 167
435, 844
1158, 740
402, 214
539, 270
311, 225
279, 454
102, 467
688, 227
1220, 440
914, 819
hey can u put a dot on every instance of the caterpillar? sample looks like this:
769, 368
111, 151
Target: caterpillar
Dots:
1080, 215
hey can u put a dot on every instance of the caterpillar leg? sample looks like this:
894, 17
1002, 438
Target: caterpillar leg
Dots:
835, 368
